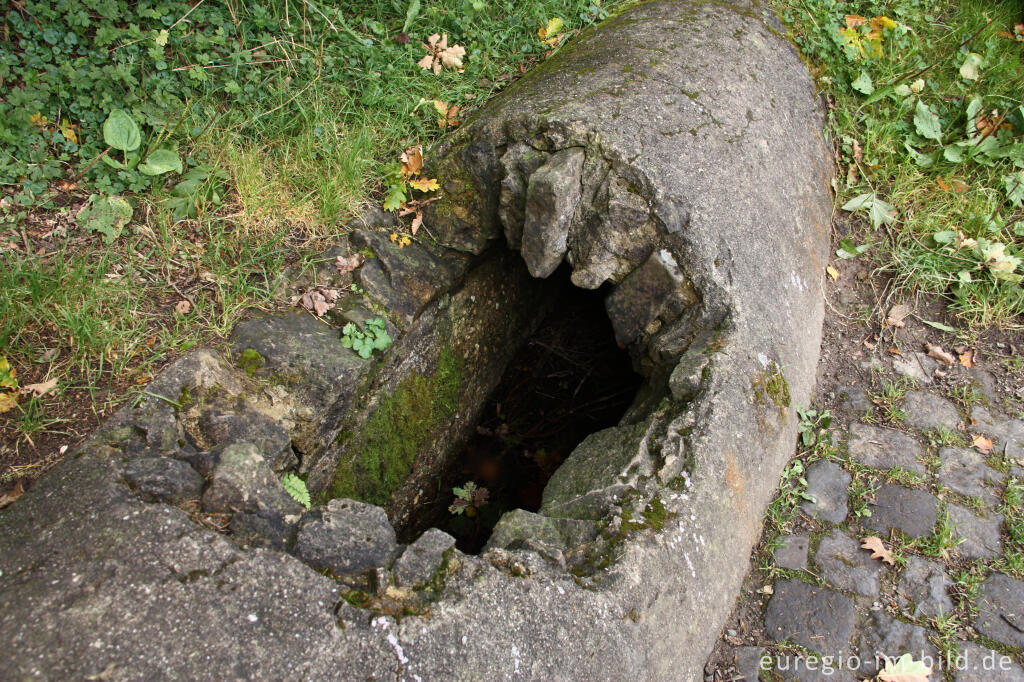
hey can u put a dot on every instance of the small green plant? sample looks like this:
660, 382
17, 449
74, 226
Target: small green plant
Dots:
296, 487
373, 336
468, 499
813, 426
943, 436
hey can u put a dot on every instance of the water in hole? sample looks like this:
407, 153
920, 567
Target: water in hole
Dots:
568, 380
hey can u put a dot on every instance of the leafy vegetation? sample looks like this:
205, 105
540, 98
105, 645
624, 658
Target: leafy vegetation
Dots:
162, 161
926, 112
373, 336
296, 487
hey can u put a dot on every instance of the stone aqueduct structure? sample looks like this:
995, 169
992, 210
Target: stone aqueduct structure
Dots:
673, 153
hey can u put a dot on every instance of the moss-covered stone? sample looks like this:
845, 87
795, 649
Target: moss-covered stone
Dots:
770, 385
249, 361
392, 437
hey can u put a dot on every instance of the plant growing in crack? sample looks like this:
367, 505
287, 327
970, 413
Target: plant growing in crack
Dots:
373, 336
468, 499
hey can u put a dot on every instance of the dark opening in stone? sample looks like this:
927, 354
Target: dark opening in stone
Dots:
567, 380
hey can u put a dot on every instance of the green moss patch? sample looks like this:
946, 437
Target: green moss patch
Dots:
249, 361
393, 436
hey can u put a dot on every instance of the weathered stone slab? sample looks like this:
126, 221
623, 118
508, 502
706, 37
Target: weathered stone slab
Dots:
925, 584
930, 411
242, 481
421, 560
846, 566
1008, 433
885, 638
792, 553
980, 535
976, 663
164, 479
347, 538
818, 618
882, 448
552, 195
964, 471
912, 511
827, 483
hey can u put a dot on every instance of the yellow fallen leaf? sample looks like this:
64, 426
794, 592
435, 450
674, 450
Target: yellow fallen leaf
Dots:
967, 358
8, 401
832, 272
67, 129
425, 184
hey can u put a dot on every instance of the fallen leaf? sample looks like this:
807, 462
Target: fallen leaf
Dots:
182, 307
347, 264
832, 272
11, 495
959, 186
550, 35
416, 222
905, 669
441, 55
942, 184
855, 20
897, 314
319, 300
40, 389
982, 444
412, 161
425, 184
967, 358
939, 354
767, 589
8, 401
7, 374
878, 550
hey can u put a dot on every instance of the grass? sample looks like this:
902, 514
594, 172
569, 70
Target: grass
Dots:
299, 110
938, 200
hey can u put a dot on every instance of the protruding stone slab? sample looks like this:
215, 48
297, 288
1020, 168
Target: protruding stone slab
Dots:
654, 294
882, 448
164, 479
981, 535
347, 538
552, 195
827, 483
912, 511
420, 560
818, 618
930, 411
846, 566
925, 584
242, 481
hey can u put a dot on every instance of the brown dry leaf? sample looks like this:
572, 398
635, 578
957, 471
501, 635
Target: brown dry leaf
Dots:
982, 444
40, 389
412, 161
897, 314
959, 186
11, 495
441, 55
182, 307
967, 358
832, 272
878, 550
319, 300
8, 401
347, 264
942, 184
416, 222
855, 20
939, 354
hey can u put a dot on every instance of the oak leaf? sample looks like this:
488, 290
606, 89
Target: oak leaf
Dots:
939, 354
832, 272
40, 389
8, 401
412, 161
878, 550
441, 55
347, 264
182, 307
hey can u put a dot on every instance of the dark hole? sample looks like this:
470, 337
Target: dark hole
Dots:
568, 380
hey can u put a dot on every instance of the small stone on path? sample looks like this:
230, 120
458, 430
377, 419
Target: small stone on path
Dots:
818, 618
748, 662
924, 583
882, 448
846, 566
1001, 610
981, 535
884, 637
911, 511
916, 366
827, 484
792, 553
929, 411
964, 471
